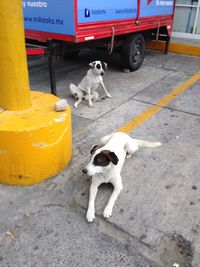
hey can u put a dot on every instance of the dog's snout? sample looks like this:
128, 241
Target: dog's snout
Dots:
102, 73
84, 171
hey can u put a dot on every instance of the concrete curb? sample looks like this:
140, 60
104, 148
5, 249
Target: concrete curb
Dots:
177, 48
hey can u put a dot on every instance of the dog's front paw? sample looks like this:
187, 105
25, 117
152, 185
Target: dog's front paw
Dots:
107, 212
109, 96
91, 105
90, 216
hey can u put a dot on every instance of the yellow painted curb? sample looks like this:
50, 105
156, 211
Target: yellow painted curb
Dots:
35, 143
177, 48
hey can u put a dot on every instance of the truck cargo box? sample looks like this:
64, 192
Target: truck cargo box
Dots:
84, 20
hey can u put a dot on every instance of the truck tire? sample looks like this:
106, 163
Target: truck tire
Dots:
132, 52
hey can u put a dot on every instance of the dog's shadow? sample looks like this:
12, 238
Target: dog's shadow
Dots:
104, 192
103, 195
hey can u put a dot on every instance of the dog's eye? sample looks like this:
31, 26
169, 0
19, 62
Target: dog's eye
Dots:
98, 66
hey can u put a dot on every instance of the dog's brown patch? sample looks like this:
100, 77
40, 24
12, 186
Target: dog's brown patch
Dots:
101, 159
104, 158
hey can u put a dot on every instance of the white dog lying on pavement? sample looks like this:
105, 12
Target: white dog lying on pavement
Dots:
107, 159
86, 90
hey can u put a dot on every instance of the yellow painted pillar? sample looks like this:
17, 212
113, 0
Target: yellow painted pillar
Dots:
35, 140
14, 82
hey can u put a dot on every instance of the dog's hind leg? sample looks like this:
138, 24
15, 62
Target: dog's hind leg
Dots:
77, 93
78, 102
105, 140
101, 143
74, 90
131, 147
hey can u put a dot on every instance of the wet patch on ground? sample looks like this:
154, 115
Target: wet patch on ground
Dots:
176, 250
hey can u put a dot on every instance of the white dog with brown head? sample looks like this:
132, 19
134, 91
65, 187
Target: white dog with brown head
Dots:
107, 160
86, 90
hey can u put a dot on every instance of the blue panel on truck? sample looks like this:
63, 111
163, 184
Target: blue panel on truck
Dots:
156, 7
54, 16
103, 10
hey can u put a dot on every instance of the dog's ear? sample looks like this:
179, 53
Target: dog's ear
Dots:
104, 65
92, 64
111, 156
94, 148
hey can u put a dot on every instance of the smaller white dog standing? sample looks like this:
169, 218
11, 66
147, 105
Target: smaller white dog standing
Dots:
86, 90
107, 160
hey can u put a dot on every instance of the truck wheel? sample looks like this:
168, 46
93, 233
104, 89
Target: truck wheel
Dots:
71, 55
132, 52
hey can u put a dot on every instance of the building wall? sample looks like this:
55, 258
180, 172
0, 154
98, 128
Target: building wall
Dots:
187, 19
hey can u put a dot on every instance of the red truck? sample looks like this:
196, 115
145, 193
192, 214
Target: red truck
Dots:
121, 24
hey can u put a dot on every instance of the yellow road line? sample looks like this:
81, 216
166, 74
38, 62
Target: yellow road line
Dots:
148, 113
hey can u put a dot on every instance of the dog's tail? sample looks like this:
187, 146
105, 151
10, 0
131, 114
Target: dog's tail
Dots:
74, 90
144, 143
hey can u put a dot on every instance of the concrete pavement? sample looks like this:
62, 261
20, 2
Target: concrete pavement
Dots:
156, 219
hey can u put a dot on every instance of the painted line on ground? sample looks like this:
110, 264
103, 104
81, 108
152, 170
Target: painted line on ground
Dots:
163, 102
